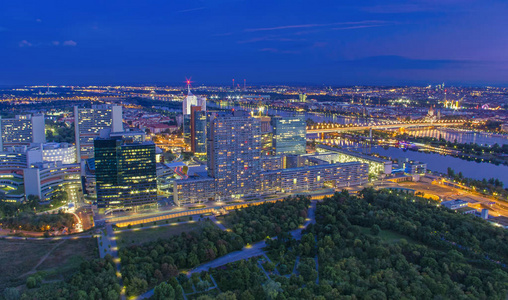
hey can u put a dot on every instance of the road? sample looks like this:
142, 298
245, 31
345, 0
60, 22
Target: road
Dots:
449, 193
107, 245
56, 238
219, 224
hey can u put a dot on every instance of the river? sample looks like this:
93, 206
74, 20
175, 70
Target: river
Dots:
462, 136
440, 163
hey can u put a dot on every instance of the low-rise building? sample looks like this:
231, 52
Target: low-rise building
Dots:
454, 204
376, 165
44, 179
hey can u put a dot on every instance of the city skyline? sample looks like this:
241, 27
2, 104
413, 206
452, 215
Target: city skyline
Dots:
336, 42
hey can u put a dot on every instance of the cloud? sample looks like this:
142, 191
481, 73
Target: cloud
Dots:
274, 50
395, 62
25, 43
38, 20
223, 34
319, 45
55, 43
358, 27
70, 43
268, 38
190, 9
3, 29
314, 25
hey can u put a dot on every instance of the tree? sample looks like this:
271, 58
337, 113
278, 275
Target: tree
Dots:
272, 289
11, 294
375, 230
164, 291
229, 295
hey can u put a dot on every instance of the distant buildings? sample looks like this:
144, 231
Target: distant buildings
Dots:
504, 127
125, 173
413, 167
289, 135
22, 130
88, 122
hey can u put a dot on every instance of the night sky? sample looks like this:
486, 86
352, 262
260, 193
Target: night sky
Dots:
459, 42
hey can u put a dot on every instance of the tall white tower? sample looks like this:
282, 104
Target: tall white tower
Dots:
189, 101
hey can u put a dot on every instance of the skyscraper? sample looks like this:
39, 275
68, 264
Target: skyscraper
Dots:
289, 135
234, 152
189, 101
88, 122
198, 130
194, 121
22, 130
125, 173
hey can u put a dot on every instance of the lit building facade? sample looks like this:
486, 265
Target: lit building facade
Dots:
289, 135
44, 179
193, 190
64, 152
88, 122
12, 163
309, 178
125, 173
198, 130
376, 165
22, 130
234, 152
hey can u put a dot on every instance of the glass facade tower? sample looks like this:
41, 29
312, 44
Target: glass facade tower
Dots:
289, 135
125, 173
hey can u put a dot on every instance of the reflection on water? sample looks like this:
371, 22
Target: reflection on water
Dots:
435, 162
461, 136
440, 163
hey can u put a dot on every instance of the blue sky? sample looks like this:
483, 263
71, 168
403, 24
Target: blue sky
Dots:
295, 42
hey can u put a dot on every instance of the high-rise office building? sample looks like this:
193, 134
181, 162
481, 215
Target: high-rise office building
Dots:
192, 100
234, 152
125, 173
22, 130
289, 135
192, 104
198, 130
88, 122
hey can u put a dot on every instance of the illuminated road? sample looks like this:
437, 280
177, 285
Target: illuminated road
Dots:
500, 208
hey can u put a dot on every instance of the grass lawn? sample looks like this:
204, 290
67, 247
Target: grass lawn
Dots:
389, 236
141, 236
67, 257
163, 222
18, 257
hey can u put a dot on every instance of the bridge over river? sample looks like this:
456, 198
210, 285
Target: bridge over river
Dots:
329, 128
